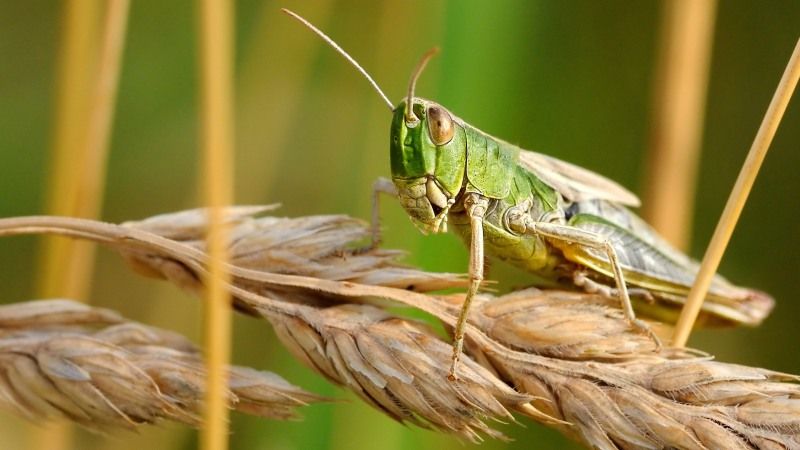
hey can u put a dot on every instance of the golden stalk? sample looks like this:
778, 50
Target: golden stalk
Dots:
84, 119
679, 104
76, 60
737, 199
216, 46
76, 57
101, 113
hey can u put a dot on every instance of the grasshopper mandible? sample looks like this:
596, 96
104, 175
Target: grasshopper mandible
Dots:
538, 213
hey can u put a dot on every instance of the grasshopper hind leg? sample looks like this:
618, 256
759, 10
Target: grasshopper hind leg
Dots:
577, 236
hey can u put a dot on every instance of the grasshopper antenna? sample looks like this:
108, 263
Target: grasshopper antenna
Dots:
343, 53
412, 84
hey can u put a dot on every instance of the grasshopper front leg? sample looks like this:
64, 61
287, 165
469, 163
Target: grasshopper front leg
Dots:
381, 186
475, 206
582, 237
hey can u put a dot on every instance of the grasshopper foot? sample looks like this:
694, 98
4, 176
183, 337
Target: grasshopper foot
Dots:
643, 327
452, 374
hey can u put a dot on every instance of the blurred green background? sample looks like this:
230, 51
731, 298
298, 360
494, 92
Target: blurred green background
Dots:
571, 79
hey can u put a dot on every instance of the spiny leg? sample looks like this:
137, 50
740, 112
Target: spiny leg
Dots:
591, 286
381, 186
475, 205
582, 237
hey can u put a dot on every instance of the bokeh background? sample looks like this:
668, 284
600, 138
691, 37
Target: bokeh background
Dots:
571, 79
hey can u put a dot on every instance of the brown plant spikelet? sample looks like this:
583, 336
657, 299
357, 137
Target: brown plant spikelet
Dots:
397, 366
327, 247
627, 396
60, 358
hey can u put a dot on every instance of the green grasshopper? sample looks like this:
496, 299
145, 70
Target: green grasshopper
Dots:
544, 215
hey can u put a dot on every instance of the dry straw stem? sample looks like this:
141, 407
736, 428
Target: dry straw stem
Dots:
88, 83
85, 116
568, 360
737, 199
678, 106
77, 56
215, 35
63, 359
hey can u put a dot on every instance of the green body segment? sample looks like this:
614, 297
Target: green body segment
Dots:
490, 164
528, 252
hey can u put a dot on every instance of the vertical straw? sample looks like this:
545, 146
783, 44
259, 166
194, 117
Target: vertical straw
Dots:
76, 59
737, 199
216, 136
678, 112
101, 112
85, 114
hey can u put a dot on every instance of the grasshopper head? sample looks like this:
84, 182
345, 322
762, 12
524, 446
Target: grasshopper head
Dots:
428, 155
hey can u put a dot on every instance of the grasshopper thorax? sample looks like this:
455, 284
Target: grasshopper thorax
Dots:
428, 157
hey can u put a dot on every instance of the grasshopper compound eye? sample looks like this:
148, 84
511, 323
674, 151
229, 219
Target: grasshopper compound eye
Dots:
440, 125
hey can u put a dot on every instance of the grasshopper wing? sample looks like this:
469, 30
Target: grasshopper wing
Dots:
648, 262
575, 183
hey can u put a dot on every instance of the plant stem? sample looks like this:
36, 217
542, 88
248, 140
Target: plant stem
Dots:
678, 106
737, 199
216, 59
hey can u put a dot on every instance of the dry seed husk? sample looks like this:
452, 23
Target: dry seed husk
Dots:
60, 358
332, 247
668, 399
398, 366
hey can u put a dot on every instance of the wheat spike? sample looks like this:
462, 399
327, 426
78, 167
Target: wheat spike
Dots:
326, 247
568, 360
397, 366
60, 358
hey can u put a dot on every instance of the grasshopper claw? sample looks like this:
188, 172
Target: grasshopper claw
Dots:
644, 327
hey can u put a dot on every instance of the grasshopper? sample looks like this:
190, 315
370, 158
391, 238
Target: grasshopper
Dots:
544, 215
